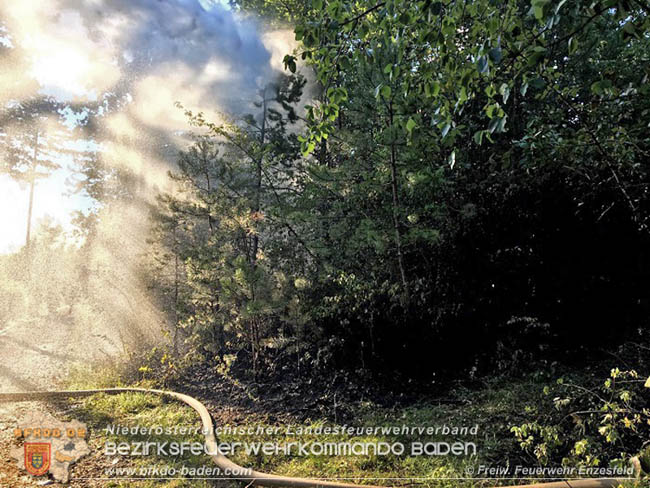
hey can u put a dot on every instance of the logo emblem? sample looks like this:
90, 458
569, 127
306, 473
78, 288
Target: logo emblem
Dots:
49, 445
37, 457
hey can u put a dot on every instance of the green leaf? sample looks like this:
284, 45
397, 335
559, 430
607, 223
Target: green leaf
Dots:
535, 58
435, 88
629, 30
647, 382
452, 159
388, 68
410, 125
482, 64
538, 83
504, 90
497, 124
538, 8
596, 88
448, 27
290, 63
386, 91
599, 87
445, 129
462, 97
501, 126
493, 124
495, 54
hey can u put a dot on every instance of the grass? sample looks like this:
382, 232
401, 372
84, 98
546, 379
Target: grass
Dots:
494, 408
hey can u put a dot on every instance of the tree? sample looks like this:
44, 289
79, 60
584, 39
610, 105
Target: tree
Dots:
486, 121
229, 181
29, 146
472, 183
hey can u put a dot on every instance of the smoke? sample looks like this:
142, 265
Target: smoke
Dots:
82, 48
115, 68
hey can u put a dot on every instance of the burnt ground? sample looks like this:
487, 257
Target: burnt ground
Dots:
288, 397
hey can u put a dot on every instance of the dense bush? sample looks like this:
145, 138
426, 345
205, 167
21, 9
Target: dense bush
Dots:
592, 425
487, 208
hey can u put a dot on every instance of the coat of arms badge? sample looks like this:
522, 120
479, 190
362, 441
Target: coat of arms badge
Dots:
37, 457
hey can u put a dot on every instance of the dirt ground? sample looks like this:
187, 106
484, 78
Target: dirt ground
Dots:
36, 355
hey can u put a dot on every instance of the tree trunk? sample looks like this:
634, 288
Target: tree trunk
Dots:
175, 337
256, 209
257, 198
209, 187
396, 222
32, 182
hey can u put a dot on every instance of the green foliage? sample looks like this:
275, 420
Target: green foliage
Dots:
589, 425
471, 181
217, 233
438, 62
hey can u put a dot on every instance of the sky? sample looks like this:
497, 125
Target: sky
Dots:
122, 64
49, 201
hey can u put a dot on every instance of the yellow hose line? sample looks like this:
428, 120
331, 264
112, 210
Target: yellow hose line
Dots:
254, 477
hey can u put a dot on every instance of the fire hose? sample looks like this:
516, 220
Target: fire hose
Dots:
255, 477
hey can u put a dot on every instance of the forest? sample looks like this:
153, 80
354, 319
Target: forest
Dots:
429, 199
